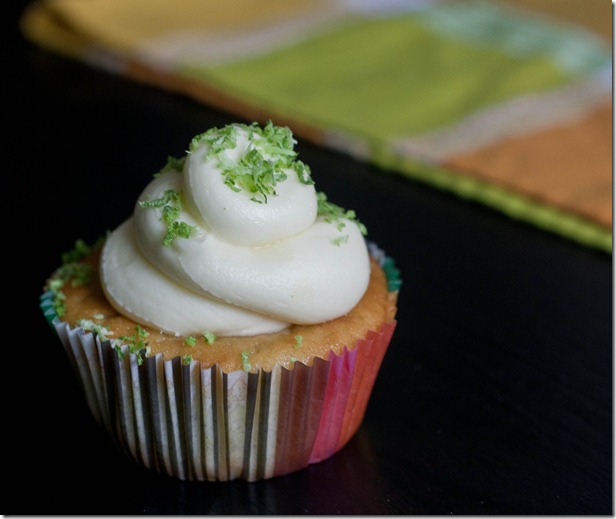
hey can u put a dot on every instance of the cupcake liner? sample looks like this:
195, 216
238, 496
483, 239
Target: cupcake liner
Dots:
196, 423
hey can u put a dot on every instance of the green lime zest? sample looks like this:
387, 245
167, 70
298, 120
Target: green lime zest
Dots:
246, 366
340, 240
77, 253
270, 152
171, 204
71, 270
336, 215
209, 337
298, 342
172, 164
187, 359
191, 340
136, 344
101, 331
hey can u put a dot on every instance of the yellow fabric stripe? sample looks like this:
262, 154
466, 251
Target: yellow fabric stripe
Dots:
123, 25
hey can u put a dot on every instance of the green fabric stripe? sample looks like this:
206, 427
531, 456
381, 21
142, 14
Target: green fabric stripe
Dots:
382, 78
512, 204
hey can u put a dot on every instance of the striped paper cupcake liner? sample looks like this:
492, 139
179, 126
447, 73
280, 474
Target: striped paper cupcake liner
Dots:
197, 423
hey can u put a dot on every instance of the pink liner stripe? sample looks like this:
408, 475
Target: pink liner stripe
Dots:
371, 353
352, 376
340, 377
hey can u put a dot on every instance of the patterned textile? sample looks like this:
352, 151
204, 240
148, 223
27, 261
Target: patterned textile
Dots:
495, 103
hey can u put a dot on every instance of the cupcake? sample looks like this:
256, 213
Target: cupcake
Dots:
232, 326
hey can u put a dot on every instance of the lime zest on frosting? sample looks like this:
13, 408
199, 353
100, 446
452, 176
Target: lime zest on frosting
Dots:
341, 240
270, 153
187, 359
172, 164
171, 204
335, 214
191, 340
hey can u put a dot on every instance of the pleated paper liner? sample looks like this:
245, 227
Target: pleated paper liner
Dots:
198, 423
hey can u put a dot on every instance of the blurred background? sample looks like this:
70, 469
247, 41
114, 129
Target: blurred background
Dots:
496, 395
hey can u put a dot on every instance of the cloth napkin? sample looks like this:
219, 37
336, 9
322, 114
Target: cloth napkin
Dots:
499, 104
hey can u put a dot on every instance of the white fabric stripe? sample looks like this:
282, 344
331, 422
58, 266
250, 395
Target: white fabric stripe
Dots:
530, 113
214, 48
210, 48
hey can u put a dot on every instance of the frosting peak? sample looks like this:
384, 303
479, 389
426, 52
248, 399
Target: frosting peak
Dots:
246, 185
235, 240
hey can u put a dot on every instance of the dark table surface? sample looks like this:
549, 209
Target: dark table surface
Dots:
495, 396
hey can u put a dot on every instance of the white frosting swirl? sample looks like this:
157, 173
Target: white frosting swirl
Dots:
234, 215
253, 262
